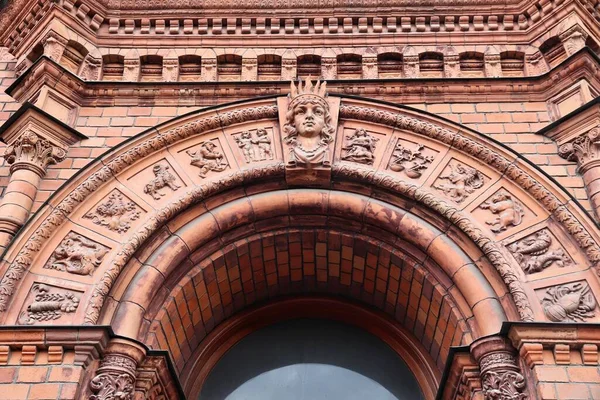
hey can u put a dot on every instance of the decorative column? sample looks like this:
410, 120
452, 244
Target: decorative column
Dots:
585, 150
28, 156
501, 376
116, 377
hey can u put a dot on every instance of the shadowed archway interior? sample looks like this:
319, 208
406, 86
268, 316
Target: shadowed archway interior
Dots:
310, 359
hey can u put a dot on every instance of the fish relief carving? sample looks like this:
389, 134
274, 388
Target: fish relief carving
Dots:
412, 162
116, 213
534, 255
162, 178
360, 147
572, 302
462, 181
208, 158
49, 304
509, 211
77, 255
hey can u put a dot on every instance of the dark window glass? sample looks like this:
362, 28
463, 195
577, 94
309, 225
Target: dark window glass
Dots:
311, 360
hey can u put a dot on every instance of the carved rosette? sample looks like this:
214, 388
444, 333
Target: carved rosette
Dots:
32, 152
501, 376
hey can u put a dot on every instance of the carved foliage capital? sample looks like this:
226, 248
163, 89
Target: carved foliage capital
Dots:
115, 379
584, 149
33, 152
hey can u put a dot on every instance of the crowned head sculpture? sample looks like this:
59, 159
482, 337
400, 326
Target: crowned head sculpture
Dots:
308, 127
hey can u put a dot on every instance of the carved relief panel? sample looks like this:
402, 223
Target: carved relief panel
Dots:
569, 302
157, 180
411, 159
204, 158
254, 144
540, 251
458, 181
77, 255
362, 143
49, 305
115, 212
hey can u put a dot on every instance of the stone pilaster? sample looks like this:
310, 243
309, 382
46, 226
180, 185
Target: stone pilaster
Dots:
329, 67
28, 156
492, 65
451, 66
131, 70
90, 71
170, 69
501, 375
54, 45
289, 67
573, 39
370, 70
209, 69
249, 69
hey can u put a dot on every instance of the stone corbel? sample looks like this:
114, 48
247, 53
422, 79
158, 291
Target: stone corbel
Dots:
573, 39
54, 45
501, 375
154, 380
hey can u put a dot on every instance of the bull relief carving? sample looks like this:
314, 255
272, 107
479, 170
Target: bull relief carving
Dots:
412, 162
533, 253
573, 302
162, 178
508, 210
49, 304
360, 147
77, 255
308, 126
115, 213
461, 182
208, 158
255, 148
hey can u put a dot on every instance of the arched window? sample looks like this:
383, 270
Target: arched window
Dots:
269, 67
513, 63
471, 64
190, 67
389, 65
151, 68
431, 64
349, 66
229, 67
112, 67
309, 65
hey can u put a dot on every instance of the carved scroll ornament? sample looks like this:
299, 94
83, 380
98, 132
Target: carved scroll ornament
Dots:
115, 379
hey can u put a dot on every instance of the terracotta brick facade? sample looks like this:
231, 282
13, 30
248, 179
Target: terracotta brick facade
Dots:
174, 182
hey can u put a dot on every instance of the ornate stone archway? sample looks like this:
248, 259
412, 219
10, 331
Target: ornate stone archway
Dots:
446, 232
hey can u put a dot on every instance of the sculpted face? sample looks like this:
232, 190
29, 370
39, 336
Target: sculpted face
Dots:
309, 119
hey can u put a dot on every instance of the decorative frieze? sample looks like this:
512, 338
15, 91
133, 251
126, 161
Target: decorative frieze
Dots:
77, 255
572, 302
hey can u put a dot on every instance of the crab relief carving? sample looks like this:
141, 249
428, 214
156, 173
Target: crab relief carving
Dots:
573, 302
208, 158
255, 148
77, 255
115, 213
48, 304
460, 182
360, 147
412, 162
533, 253
162, 178
308, 126
508, 211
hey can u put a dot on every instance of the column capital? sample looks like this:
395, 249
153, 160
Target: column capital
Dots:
31, 151
584, 149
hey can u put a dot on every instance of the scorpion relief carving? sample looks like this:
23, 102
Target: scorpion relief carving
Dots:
411, 161
48, 304
460, 181
115, 213
360, 147
208, 157
77, 255
162, 178
255, 148
572, 302
534, 253
508, 211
